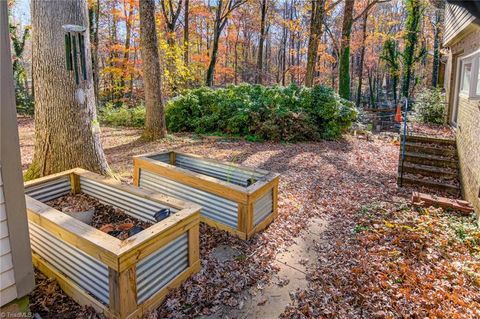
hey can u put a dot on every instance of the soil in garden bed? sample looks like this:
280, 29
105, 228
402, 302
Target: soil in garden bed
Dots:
106, 218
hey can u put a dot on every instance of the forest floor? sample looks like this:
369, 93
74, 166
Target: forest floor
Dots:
358, 248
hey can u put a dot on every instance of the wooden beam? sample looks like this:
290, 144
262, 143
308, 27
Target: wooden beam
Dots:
194, 245
123, 291
91, 241
199, 181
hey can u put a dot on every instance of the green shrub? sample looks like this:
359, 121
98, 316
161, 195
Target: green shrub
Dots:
430, 106
122, 116
277, 113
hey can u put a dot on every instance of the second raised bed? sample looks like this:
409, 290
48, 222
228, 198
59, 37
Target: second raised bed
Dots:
238, 199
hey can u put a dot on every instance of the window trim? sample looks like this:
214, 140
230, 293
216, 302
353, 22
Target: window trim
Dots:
474, 59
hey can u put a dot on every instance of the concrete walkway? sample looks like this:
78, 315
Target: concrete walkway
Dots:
270, 301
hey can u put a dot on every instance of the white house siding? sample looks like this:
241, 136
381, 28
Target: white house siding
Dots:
8, 291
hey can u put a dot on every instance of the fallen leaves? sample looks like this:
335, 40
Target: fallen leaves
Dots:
376, 259
411, 265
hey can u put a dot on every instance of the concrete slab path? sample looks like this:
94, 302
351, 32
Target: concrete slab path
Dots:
270, 301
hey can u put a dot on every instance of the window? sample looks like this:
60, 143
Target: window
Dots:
477, 91
470, 75
466, 76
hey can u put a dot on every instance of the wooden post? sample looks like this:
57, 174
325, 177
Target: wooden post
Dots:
249, 219
75, 183
173, 158
241, 220
275, 200
123, 291
193, 245
136, 173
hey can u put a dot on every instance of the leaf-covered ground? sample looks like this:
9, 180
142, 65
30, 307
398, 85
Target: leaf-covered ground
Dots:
331, 179
395, 261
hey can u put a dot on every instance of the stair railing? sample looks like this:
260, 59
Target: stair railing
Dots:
403, 140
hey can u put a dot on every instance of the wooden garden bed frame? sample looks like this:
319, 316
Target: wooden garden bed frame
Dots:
244, 198
120, 258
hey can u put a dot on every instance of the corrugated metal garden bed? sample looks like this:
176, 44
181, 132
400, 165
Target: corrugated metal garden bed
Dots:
121, 278
238, 199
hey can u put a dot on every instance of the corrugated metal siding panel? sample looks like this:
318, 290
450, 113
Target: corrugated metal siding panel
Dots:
161, 267
134, 205
82, 269
49, 190
214, 207
262, 207
456, 19
163, 157
224, 172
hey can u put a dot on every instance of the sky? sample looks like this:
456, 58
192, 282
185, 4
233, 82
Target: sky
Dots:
21, 11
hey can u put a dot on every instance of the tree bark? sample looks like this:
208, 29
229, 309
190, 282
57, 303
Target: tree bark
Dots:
126, 54
362, 58
66, 126
259, 73
318, 13
436, 48
412, 25
154, 118
185, 33
344, 67
94, 14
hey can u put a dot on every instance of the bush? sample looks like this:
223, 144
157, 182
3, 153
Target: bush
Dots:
290, 113
122, 116
430, 106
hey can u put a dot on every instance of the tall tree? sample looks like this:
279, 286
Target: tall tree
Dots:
154, 118
66, 126
362, 58
186, 32
223, 9
261, 41
414, 10
344, 68
391, 56
171, 15
316, 21
436, 46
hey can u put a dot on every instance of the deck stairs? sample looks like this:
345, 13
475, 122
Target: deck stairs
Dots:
429, 163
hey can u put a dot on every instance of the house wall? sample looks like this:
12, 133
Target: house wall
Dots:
17, 276
8, 289
468, 121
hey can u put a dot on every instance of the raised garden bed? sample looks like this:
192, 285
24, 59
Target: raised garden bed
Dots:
116, 271
234, 198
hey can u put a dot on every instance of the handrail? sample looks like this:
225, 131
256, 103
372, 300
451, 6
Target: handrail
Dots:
404, 140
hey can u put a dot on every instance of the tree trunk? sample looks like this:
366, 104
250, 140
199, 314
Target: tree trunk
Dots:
259, 73
318, 12
412, 25
344, 67
66, 126
362, 58
436, 49
213, 59
94, 14
154, 117
185, 33
126, 53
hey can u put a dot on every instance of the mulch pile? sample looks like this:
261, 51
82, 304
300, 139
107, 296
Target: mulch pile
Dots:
107, 218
